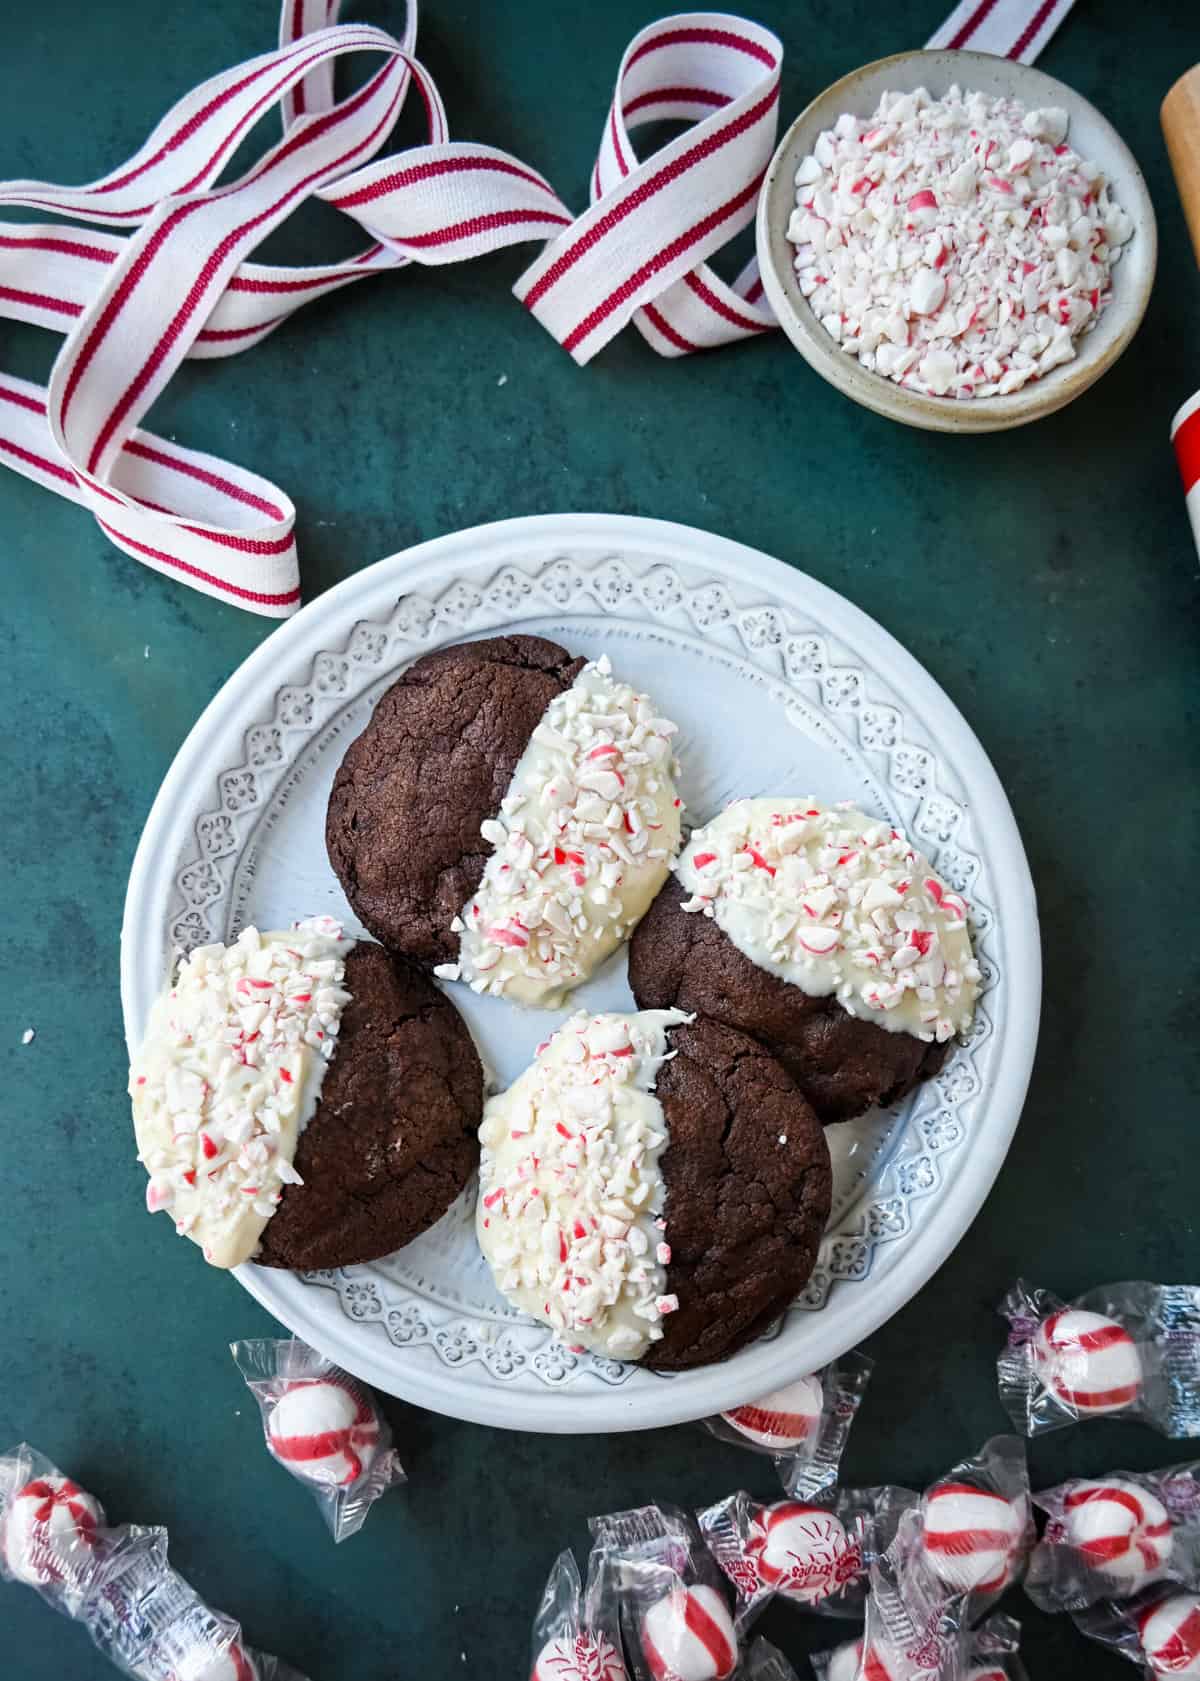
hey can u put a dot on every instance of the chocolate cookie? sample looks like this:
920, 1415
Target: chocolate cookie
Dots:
393, 1139
748, 1188
652, 1188
432, 765
842, 1064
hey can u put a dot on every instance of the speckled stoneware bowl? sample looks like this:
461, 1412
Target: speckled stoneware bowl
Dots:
1090, 134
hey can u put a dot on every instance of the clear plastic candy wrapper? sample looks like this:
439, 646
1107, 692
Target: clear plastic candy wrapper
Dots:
1129, 1349
577, 1633
971, 1535
993, 1651
767, 1663
816, 1554
323, 1426
803, 1426
1159, 1630
117, 1582
954, 1554
53, 1534
675, 1614
1110, 1537
989, 1653
916, 1625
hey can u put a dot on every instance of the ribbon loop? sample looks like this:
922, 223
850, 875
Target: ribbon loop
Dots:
132, 306
651, 223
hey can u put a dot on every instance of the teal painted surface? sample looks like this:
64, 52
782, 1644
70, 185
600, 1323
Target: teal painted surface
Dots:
1046, 578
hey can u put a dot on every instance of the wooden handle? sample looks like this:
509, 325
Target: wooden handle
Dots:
1180, 117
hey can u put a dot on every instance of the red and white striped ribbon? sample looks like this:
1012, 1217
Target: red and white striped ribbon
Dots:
637, 253
1185, 435
132, 307
1008, 28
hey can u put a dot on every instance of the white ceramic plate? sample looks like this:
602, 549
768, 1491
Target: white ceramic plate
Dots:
778, 685
1090, 134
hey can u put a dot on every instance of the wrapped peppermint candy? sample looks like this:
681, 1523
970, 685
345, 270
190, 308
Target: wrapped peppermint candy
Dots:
989, 1653
953, 1555
674, 1613
323, 1426
52, 1532
117, 1582
839, 1663
1126, 1349
147, 1620
576, 1633
844, 1663
973, 1530
1110, 1537
816, 1554
916, 1624
1159, 1630
802, 1426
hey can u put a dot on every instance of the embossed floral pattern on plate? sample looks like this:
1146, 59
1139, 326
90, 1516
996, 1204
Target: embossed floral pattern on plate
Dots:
811, 699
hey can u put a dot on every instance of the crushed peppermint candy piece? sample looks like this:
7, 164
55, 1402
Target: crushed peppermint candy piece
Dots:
570, 1192
957, 246
228, 1078
585, 837
837, 902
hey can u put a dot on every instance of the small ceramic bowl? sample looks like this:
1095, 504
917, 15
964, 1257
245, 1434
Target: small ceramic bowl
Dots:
1089, 134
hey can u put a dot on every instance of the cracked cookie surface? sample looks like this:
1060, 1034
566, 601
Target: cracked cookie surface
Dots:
748, 1192
394, 1136
433, 764
842, 1064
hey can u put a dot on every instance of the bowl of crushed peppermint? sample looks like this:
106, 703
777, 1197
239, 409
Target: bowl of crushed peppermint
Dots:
955, 240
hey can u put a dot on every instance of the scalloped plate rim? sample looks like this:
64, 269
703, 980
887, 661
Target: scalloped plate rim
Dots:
463, 1394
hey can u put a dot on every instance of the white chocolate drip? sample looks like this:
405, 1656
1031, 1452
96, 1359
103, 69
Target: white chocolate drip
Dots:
837, 902
229, 1076
583, 841
570, 1205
